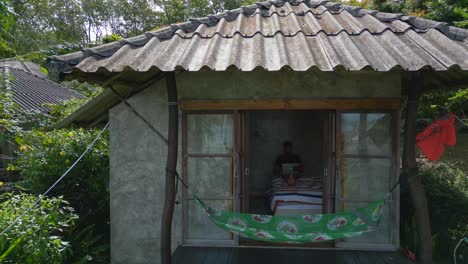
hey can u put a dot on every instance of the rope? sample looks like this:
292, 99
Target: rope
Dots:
459, 119
124, 100
393, 188
88, 148
176, 174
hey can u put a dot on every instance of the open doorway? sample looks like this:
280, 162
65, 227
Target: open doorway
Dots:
287, 158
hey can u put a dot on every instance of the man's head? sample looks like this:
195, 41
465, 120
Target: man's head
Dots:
287, 147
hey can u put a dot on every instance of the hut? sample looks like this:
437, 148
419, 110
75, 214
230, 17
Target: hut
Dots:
331, 80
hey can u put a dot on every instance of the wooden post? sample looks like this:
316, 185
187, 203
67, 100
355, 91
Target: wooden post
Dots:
171, 167
410, 168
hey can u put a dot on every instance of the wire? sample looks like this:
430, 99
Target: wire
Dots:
140, 116
6, 157
90, 146
455, 250
459, 119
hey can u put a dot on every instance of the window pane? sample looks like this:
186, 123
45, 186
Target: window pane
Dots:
200, 226
382, 234
210, 176
366, 179
367, 133
209, 133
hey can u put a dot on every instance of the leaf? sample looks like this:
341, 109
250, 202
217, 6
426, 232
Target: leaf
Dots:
10, 249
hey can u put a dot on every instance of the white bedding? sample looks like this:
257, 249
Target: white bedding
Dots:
306, 197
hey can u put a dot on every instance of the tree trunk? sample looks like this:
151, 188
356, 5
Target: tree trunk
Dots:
410, 168
171, 167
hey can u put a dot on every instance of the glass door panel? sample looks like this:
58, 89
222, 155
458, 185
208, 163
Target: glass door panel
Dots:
208, 170
210, 133
365, 178
209, 177
366, 134
366, 169
200, 227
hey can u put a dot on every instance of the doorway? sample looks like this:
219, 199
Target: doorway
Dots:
263, 135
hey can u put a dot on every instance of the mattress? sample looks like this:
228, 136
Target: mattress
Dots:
306, 197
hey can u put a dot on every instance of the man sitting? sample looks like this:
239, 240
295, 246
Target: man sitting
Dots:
287, 157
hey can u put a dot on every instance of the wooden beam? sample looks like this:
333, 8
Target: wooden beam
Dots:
410, 169
297, 104
171, 167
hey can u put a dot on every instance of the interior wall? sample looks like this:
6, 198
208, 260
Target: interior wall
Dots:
269, 129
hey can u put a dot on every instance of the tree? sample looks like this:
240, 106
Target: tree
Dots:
6, 25
454, 12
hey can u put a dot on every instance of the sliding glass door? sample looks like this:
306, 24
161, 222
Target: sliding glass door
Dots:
367, 170
208, 162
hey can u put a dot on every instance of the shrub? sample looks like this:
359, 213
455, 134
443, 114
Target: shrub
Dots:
37, 238
44, 156
447, 192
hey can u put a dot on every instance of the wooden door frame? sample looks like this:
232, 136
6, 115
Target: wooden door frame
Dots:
395, 171
245, 133
328, 158
292, 104
232, 176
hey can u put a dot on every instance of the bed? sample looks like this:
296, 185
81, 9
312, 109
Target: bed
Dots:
305, 197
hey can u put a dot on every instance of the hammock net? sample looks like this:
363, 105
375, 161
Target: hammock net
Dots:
298, 229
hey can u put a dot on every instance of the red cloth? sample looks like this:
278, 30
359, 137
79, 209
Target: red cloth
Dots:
432, 140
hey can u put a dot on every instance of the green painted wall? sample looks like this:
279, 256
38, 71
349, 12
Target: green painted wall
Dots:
283, 84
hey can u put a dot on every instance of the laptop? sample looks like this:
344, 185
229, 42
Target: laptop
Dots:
288, 168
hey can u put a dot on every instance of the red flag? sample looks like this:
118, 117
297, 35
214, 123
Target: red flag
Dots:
432, 140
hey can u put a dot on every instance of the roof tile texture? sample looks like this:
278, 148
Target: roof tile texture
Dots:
297, 35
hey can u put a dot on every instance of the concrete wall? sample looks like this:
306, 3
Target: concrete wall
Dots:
137, 167
138, 156
285, 84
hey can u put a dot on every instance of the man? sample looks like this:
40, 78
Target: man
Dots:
287, 157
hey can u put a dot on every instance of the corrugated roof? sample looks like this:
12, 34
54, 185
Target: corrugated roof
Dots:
297, 35
26, 66
32, 92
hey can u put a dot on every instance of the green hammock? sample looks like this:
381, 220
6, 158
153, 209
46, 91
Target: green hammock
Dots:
298, 229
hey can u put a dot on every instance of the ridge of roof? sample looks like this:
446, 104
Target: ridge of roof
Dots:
107, 50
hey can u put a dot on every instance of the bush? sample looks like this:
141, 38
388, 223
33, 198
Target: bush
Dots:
447, 192
436, 103
37, 238
44, 156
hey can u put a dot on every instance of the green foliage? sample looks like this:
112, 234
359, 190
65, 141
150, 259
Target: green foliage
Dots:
434, 103
55, 27
14, 120
8, 109
5, 50
86, 89
453, 12
111, 38
44, 156
38, 237
7, 23
87, 246
60, 111
447, 191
